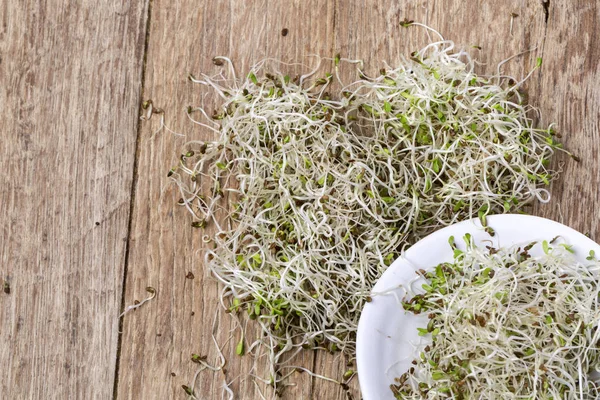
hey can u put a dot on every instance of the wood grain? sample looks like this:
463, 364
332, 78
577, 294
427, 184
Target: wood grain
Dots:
70, 79
567, 93
70, 85
159, 338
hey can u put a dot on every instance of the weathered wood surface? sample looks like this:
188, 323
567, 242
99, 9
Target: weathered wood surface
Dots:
70, 80
184, 37
69, 87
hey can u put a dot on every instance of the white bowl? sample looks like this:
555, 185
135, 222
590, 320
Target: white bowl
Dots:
387, 335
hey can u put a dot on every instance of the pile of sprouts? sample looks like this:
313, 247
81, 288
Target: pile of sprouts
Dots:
505, 324
314, 187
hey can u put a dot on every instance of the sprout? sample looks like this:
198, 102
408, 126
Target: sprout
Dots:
138, 304
325, 188
505, 324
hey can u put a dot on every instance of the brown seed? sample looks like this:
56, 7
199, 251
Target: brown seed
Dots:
190, 275
188, 390
533, 310
284, 32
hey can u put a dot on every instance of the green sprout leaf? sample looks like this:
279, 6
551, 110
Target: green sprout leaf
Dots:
538, 62
253, 78
545, 247
240, 349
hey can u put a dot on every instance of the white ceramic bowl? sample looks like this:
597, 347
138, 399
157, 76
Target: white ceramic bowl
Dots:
387, 335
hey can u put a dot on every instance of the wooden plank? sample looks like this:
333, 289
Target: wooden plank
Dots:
184, 36
567, 93
371, 31
70, 78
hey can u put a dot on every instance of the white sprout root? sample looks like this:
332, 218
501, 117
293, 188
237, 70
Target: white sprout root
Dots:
138, 304
326, 191
507, 325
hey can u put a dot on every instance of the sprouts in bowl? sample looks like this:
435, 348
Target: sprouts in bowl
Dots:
394, 347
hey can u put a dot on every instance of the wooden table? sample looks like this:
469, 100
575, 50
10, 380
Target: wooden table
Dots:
88, 219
